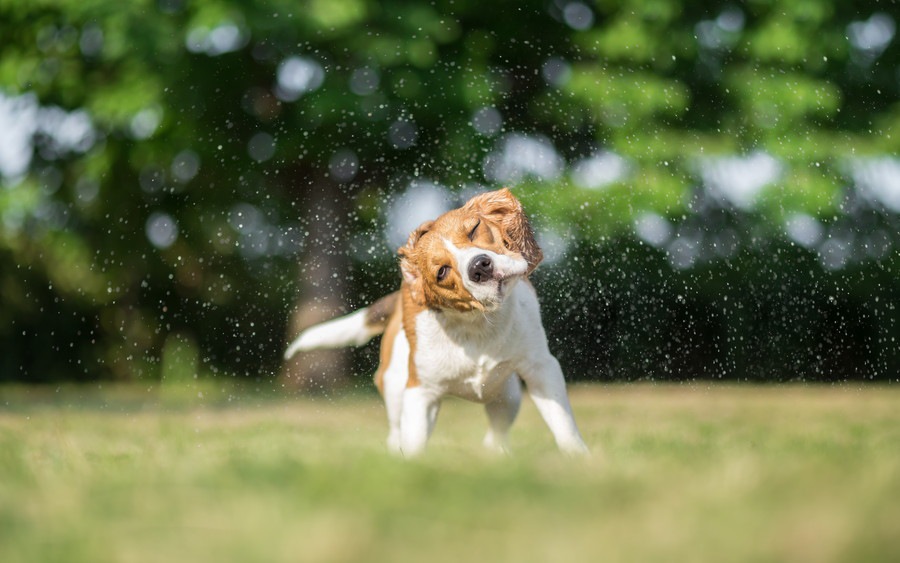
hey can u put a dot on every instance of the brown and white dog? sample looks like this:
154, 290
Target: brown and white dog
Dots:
465, 322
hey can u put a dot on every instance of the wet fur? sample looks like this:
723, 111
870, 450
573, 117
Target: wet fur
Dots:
447, 332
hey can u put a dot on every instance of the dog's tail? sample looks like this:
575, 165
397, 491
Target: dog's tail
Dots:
354, 329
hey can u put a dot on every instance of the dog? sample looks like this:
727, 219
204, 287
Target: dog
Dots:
465, 322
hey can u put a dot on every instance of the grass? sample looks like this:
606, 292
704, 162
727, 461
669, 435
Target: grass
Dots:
679, 473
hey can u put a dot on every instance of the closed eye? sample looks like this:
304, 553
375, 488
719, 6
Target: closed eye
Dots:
475, 228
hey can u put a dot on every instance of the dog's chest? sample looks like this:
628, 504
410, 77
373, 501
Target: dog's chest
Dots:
469, 364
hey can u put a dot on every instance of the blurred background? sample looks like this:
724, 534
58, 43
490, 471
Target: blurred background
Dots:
186, 184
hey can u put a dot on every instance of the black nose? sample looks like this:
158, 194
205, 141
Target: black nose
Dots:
481, 268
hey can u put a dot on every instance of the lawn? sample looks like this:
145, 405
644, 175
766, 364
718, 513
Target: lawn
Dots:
679, 473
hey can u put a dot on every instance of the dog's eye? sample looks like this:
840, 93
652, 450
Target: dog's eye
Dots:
475, 228
442, 273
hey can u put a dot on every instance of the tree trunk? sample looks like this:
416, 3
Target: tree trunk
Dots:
321, 275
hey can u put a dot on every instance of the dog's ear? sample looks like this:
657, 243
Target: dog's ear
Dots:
408, 267
504, 209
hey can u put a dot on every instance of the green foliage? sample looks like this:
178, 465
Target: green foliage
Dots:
627, 98
192, 131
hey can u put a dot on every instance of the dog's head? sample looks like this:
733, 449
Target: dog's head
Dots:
469, 258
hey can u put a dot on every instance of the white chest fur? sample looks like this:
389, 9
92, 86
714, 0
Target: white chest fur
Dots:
471, 355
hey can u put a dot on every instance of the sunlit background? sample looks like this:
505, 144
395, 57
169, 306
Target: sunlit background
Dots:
185, 184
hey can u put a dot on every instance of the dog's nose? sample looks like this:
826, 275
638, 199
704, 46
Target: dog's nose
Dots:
481, 268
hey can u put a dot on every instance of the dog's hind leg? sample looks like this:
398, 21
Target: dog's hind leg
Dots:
501, 413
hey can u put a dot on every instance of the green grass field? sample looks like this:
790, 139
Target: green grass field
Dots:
679, 473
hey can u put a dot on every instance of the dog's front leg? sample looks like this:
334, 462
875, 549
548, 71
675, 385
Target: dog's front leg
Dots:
420, 410
547, 387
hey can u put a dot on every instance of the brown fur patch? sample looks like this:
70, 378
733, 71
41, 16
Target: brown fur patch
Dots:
394, 326
502, 208
379, 313
410, 310
402, 317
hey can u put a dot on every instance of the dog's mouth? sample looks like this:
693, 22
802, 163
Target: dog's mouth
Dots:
503, 286
507, 281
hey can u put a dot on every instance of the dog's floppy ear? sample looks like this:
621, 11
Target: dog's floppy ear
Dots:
411, 274
503, 208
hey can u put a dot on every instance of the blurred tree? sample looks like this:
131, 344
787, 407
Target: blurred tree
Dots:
191, 168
